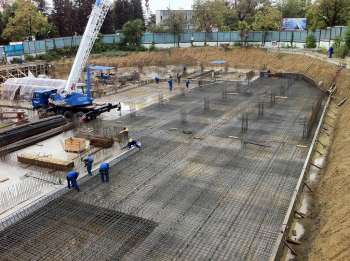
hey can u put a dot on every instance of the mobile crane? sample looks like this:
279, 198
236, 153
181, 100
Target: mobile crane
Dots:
70, 101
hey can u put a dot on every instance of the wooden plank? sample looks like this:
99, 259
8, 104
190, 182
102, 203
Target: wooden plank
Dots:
76, 145
45, 162
97, 141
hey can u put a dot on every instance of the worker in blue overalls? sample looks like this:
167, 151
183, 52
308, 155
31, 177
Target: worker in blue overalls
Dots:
72, 178
188, 83
89, 160
170, 83
157, 79
104, 172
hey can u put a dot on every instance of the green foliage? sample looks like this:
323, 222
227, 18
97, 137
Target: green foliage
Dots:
341, 50
243, 28
347, 37
293, 8
323, 13
133, 31
267, 19
175, 22
27, 21
310, 41
213, 14
154, 28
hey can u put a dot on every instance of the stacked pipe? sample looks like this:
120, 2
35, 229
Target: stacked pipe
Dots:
11, 135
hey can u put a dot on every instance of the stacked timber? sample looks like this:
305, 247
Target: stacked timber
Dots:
75, 145
18, 133
45, 162
98, 141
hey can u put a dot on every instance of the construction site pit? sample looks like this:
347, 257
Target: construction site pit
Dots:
213, 181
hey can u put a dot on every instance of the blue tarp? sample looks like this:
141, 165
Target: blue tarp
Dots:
100, 68
218, 62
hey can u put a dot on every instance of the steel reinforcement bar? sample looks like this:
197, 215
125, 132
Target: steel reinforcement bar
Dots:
46, 199
277, 251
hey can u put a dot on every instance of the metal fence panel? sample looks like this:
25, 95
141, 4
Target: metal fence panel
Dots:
147, 38
108, 39
41, 46
199, 37
68, 42
185, 37
50, 44
235, 37
224, 37
59, 43
14, 50
164, 38
212, 37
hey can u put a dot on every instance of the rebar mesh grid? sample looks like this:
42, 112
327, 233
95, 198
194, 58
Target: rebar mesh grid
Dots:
212, 198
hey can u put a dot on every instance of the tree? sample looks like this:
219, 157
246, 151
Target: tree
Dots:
347, 37
108, 24
244, 29
62, 17
27, 21
82, 10
122, 13
310, 41
133, 31
211, 15
175, 24
293, 8
267, 19
151, 22
246, 9
41, 5
137, 10
323, 13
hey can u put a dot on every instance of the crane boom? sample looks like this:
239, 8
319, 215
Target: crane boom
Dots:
98, 15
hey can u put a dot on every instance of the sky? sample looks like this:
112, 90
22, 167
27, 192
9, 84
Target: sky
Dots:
174, 4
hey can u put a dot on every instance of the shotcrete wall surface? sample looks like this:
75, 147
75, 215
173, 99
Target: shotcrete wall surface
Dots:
213, 181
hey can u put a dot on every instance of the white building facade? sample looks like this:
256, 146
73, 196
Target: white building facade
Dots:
163, 15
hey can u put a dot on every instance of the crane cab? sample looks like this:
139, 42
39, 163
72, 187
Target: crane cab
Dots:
41, 98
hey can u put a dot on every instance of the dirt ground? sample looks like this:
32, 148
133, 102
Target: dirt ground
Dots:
331, 235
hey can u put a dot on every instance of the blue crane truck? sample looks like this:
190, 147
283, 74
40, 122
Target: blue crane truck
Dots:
74, 104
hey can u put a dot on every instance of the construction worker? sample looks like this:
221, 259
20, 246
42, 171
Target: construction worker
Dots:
72, 177
178, 77
157, 79
89, 160
104, 172
133, 143
330, 52
170, 83
188, 83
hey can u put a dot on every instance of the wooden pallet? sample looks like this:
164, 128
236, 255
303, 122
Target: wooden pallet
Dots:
45, 162
75, 145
